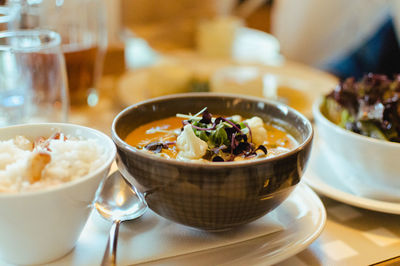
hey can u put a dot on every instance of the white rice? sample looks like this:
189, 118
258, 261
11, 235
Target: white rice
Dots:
70, 160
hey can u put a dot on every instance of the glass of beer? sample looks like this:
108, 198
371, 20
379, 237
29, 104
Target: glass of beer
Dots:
82, 26
33, 82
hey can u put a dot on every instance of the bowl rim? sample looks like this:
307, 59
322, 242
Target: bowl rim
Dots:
103, 138
319, 117
125, 146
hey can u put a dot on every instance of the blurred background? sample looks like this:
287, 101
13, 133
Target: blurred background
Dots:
345, 38
283, 50
172, 25
279, 49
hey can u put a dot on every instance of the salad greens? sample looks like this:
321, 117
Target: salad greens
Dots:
370, 106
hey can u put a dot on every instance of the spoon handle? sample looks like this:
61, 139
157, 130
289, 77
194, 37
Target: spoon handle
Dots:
110, 255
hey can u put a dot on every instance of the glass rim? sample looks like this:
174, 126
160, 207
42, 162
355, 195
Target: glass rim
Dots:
54, 40
7, 13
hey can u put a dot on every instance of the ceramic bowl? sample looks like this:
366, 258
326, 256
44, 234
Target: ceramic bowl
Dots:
369, 166
40, 226
212, 196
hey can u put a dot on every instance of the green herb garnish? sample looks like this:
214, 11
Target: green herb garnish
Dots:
225, 138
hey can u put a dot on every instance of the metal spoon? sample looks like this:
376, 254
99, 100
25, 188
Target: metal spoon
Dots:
118, 201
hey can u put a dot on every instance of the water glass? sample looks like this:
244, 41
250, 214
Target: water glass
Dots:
82, 26
33, 85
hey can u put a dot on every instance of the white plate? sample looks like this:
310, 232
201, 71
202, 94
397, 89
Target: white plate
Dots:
322, 179
302, 215
251, 48
307, 82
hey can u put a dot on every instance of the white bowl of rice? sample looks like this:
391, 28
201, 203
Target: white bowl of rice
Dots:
49, 174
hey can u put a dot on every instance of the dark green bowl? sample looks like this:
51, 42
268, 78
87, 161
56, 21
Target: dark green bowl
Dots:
214, 196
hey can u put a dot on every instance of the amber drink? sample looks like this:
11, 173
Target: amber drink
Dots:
84, 66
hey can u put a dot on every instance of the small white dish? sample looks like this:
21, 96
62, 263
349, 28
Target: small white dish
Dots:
40, 226
302, 215
255, 46
321, 178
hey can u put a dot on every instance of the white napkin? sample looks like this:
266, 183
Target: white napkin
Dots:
152, 238
357, 185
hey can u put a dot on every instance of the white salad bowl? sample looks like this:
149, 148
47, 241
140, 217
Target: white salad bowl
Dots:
40, 226
368, 166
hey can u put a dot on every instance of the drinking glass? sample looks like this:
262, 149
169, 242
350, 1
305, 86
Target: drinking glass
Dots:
32, 78
82, 26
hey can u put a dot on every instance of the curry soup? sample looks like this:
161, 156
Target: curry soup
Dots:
167, 130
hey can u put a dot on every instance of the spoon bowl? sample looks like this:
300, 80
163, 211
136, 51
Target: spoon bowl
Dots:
118, 201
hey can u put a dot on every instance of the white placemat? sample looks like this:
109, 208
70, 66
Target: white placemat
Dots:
152, 238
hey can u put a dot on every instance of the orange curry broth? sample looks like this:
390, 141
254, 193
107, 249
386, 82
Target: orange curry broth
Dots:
139, 137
